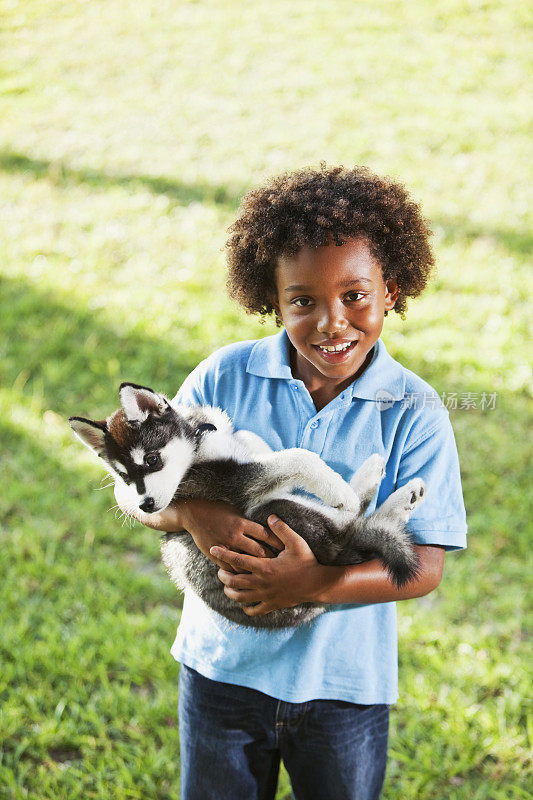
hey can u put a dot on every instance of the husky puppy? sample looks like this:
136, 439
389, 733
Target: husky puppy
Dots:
159, 454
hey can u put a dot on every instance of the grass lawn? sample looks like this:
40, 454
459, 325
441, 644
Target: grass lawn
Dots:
128, 133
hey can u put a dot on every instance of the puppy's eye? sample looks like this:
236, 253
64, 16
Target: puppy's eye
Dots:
121, 472
152, 460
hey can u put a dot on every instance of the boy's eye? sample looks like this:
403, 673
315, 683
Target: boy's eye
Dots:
352, 296
152, 460
302, 302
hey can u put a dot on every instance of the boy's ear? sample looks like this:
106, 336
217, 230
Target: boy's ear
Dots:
138, 402
275, 304
91, 433
277, 310
392, 291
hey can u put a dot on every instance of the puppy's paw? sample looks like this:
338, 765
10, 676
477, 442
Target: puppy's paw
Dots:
347, 500
403, 501
417, 487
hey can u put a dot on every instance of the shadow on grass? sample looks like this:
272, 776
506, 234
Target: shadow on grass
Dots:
71, 360
60, 173
57, 519
78, 609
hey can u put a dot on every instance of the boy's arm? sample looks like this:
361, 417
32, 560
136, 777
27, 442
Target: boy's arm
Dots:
370, 582
295, 576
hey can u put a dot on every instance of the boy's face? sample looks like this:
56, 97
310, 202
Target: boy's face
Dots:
332, 297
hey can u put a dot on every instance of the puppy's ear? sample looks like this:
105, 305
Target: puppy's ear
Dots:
138, 402
90, 432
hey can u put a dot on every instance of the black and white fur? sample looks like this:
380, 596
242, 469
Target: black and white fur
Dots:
160, 454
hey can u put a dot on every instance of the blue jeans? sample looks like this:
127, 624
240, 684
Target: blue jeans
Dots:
232, 739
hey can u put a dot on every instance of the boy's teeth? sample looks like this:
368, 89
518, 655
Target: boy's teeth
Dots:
335, 348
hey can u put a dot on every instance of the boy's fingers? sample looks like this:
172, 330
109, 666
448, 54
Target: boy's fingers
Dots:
240, 561
234, 580
263, 534
242, 596
286, 534
218, 561
253, 548
258, 610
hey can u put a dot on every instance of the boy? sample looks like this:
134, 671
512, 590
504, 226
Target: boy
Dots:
330, 252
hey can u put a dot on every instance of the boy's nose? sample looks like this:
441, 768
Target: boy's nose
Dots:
331, 321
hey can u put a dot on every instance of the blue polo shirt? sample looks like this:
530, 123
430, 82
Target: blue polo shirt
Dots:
350, 651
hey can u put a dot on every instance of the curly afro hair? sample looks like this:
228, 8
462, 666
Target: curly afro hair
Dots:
317, 207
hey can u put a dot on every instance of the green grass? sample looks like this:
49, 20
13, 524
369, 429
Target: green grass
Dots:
129, 132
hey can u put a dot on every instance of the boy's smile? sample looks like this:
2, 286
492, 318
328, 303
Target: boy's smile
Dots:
332, 301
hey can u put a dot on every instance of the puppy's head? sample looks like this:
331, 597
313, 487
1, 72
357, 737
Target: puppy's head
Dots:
147, 445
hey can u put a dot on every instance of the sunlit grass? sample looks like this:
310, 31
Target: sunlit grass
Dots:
129, 132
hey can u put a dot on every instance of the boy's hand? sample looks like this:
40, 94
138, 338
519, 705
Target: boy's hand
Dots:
293, 577
221, 524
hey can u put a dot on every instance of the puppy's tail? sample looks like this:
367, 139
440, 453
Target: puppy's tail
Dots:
401, 562
391, 544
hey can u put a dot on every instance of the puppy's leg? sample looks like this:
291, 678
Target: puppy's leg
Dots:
297, 468
367, 479
399, 506
253, 443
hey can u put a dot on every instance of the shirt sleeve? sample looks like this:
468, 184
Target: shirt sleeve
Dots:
192, 391
432, 456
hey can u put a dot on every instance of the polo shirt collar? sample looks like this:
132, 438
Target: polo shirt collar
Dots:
270, 358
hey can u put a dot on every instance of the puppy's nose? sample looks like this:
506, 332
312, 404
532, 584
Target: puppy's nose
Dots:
147, 504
